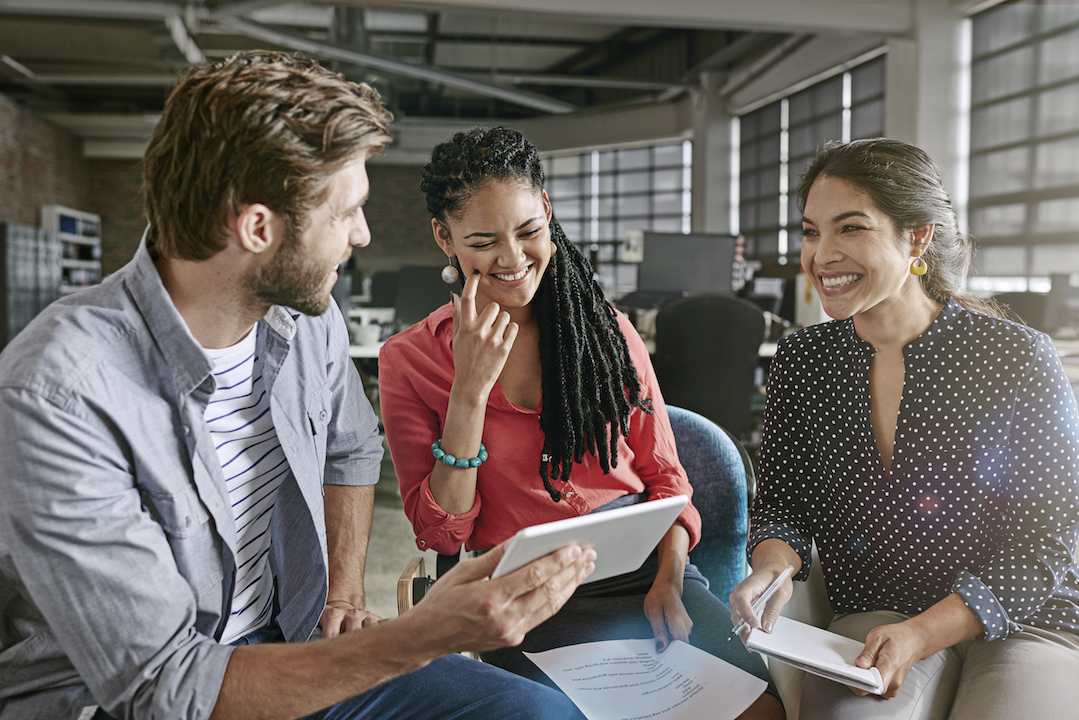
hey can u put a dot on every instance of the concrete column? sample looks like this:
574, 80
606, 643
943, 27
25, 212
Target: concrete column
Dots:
928, 93
711, 176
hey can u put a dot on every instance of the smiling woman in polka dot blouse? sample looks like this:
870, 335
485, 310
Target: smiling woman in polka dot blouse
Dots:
930, 449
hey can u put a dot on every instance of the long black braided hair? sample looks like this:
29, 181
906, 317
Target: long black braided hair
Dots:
589, 383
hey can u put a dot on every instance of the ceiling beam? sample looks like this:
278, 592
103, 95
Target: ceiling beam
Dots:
183, 40
232, 8
586, 81
761, 65
258, 31
106, 80
798, 16
27, 77
737, 50
112, 9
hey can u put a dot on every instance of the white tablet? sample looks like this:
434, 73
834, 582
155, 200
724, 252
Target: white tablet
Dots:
622, 538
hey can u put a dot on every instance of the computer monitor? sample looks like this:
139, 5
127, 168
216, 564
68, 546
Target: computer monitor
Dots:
420, 291
693, 263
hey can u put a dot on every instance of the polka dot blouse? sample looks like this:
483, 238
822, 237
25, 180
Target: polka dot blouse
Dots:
983, 495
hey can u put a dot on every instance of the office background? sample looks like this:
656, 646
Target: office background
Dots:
687, 116
683, 116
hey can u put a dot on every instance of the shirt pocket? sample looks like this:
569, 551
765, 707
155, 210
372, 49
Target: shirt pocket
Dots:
180, 513
319, 415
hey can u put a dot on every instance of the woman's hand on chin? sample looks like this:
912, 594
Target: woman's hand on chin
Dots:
481, 342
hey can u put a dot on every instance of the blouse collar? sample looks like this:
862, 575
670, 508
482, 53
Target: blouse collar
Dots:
937, 329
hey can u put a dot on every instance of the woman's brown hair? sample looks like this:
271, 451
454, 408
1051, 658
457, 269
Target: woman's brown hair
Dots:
904, 183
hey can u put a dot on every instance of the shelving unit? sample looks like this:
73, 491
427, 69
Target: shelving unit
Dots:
79, 246
30, 275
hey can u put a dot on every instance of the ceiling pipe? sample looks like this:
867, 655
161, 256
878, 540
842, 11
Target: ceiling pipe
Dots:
586, 81
258, 31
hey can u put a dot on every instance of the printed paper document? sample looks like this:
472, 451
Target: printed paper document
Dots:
629, 680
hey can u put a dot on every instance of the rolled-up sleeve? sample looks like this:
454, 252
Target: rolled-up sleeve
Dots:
354, 445
97, 565
415, 374
1042, 501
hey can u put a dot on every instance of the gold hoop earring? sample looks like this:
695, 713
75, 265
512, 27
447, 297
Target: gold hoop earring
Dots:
450, 273
917, 265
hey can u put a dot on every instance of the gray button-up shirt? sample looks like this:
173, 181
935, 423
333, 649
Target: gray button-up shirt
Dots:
117, 541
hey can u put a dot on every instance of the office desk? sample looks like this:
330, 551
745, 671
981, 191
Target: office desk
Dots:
365, 351
369, 315
767, 349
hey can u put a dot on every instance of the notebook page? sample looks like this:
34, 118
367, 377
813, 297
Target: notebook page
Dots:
816, 650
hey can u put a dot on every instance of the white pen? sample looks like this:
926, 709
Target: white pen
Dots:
760, 602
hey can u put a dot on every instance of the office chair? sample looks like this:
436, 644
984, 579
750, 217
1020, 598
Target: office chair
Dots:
719, 471
707, 353
384, 288
1030, 307
420, 291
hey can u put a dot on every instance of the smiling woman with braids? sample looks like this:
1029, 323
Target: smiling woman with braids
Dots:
547, 396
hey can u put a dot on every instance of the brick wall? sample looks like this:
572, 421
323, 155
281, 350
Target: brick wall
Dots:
396, 212
40, 164
115, 196
400, 223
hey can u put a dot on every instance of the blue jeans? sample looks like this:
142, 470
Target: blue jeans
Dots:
455, 687
450, 688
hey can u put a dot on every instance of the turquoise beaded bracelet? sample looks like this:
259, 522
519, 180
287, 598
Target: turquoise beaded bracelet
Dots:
452, 461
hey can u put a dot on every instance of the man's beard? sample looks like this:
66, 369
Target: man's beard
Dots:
292, 280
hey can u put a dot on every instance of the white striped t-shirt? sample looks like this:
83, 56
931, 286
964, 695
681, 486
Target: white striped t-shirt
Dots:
238, 417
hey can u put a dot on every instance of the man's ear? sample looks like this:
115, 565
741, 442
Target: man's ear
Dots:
256, 228
442, 237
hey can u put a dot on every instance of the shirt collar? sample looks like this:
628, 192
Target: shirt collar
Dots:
441, 316
190, 365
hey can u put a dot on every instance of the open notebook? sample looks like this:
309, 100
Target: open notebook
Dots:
816, 651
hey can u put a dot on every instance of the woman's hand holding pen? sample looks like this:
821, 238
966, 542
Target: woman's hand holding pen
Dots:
770, 559
481, 343
747, 592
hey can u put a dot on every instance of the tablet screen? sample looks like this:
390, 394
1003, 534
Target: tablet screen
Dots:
622, 538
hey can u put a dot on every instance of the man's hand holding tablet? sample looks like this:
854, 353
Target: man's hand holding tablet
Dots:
622, 538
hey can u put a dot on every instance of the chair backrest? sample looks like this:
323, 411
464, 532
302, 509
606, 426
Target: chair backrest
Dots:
384, 288
1031, 307
420, 291
707, 353
717, 471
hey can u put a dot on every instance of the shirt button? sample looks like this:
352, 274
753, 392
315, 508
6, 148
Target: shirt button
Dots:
569, 494
187, 430
322, 415
422, 543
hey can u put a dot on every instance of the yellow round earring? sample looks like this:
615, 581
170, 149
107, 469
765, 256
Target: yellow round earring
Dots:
917, 265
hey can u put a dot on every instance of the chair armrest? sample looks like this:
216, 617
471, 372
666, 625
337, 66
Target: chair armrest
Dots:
407, 595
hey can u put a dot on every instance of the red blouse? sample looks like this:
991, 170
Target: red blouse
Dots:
415, 375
